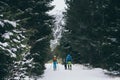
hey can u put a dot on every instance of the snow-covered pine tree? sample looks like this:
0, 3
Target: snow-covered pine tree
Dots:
7, 57
40, 41
13, 50
34, 27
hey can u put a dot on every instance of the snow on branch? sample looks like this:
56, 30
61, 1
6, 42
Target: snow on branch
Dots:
12, 54
4, 44
1, 23
41, 39
13, 23
7, 35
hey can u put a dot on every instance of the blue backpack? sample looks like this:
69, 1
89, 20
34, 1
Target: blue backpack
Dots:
68, 58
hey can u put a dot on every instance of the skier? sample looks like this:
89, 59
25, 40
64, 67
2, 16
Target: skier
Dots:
54, 62
69, 61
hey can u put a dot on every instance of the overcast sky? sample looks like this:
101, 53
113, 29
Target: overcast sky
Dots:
59, 4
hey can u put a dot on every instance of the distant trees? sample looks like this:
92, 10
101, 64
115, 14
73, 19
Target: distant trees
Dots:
28, 26
93, 32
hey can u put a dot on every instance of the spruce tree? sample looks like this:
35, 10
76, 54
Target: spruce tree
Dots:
93, 28
34, 25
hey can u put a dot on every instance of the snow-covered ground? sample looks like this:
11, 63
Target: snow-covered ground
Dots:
78, 72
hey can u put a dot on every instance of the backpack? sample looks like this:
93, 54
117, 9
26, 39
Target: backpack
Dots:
69, 58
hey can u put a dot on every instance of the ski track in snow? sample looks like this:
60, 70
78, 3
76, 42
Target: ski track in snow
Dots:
78, 72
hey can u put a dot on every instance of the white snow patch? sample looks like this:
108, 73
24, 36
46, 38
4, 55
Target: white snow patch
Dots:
29, 61
113, 39
78, 72
1, 23
22, 36
12, 54
13, 23
1, 15
14, 49
15, 40
18, 37
4, 44
17, 31
41, 39
23, 45
27, 78
7, 35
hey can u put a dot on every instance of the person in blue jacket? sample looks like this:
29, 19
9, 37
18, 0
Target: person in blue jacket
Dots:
54, 62
69, 61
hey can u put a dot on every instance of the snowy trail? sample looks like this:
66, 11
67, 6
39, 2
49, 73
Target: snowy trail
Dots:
78, 72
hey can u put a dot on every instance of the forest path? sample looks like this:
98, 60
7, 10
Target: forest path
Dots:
78, 72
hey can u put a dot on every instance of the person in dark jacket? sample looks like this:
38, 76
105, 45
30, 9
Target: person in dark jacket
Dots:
65, 63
